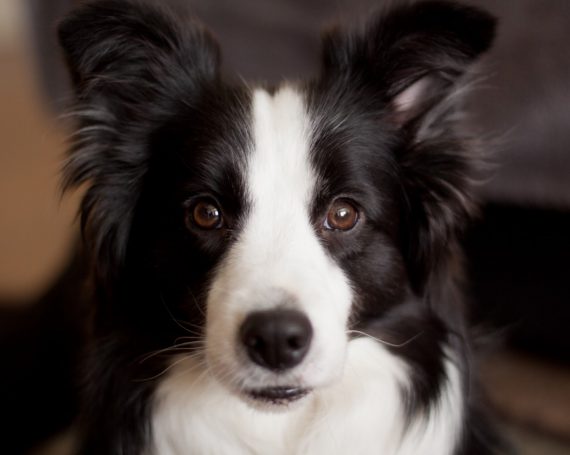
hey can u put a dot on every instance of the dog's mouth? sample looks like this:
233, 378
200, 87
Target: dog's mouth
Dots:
277, 395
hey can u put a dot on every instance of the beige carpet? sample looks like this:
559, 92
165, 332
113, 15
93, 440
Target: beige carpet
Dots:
35, 224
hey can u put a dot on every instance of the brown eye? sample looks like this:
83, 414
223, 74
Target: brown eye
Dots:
206, 215
342, 216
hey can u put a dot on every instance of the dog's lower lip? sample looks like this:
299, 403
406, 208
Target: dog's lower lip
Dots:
278, 395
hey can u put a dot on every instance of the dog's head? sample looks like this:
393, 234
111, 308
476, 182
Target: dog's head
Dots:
270, 222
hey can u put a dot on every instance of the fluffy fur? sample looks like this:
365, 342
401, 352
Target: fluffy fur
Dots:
158, 130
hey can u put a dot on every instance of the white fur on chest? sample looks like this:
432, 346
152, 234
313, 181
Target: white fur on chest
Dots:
361, 414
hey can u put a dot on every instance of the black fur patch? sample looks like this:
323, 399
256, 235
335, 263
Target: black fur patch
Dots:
155, 127
131, 64
409, 172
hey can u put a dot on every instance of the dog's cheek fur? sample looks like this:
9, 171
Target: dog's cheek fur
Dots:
402, 73
199, 151
352, 153
407, 66
130, 63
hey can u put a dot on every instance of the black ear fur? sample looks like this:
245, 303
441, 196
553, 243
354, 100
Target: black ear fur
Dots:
408, 62
109, 44
414, 40
129, 62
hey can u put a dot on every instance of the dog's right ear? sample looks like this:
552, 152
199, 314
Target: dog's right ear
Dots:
129, 62
127, 50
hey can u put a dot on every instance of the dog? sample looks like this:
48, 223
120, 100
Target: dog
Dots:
275, 269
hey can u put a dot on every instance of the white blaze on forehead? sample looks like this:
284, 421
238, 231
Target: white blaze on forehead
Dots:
278, 241
280, 178
280, 165
278, 258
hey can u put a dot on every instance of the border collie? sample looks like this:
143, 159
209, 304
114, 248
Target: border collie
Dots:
275, 270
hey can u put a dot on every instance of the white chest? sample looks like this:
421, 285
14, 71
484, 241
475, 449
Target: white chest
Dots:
362, 414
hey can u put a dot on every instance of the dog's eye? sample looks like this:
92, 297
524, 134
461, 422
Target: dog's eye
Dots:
342, 216
204, 214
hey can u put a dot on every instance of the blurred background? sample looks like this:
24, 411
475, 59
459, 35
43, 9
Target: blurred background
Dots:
518, 250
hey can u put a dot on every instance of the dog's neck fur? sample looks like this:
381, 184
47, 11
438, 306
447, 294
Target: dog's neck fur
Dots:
364, 411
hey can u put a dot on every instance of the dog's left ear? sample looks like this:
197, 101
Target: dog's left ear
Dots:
412, 55
405, 64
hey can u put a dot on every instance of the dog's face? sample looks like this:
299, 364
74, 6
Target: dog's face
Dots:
296, 255
275, 223
279, 221
278, 302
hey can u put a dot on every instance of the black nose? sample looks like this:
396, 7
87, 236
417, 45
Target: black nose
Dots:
276, 339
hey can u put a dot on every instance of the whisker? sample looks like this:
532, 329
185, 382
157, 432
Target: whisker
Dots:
164, 371
197, 339
176, 321
387, 343
199, 362
188, 345
191, 326
196, 303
